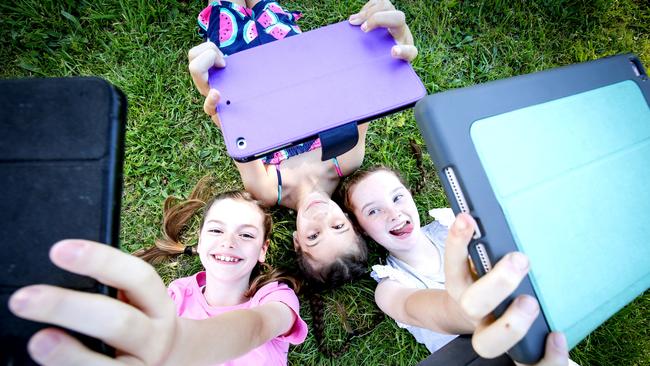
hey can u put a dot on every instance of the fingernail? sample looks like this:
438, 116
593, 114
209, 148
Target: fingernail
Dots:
396, 51
519, 261
527, 304
559, 341
364, 26
43, 344
353, 17
19, 301
68, 252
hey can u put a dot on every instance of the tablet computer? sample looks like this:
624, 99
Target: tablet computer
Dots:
553, 164
61, 148
289, 91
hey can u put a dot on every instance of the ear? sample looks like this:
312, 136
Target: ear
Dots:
263, 250
295, 241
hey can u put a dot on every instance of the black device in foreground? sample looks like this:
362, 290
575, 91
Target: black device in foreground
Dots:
61, 152
553, 164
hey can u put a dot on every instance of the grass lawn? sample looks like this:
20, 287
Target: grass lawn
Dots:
141, 46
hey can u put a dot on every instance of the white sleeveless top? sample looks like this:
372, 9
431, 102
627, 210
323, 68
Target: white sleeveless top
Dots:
406, 275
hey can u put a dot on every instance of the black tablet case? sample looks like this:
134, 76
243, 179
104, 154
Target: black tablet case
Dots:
445, 119
61, 151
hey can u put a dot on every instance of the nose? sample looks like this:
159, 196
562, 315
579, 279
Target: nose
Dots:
228, 241
393, 214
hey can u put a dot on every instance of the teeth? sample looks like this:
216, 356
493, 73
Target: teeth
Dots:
401, 226
226, 259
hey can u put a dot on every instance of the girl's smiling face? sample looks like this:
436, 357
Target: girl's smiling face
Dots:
323, 231
385, 210
232, 239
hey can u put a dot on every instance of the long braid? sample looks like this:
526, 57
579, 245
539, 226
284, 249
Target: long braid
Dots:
416, 149
316, 306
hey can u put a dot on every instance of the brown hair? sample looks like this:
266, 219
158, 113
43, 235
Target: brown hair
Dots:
345, 268
359, 175
176, 218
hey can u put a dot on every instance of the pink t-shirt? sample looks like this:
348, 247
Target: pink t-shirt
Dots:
190, 303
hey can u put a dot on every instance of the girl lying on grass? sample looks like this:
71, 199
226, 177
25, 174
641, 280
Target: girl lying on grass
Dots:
327, 245
238, 311
426, 285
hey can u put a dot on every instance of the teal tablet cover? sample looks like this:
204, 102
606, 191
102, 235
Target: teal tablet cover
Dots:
571, 176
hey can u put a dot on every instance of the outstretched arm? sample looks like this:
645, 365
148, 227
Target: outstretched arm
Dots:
144, 328
432, 309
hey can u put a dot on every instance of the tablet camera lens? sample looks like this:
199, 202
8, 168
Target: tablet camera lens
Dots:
241, 143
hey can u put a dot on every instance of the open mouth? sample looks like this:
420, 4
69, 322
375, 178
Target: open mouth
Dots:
402, 230
226, 259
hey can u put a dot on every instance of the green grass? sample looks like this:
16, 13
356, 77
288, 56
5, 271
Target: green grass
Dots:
141, 45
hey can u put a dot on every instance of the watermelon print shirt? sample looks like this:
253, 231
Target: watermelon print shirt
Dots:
235, 28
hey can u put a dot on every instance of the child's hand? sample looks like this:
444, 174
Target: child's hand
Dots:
382, 13
142, 329
201, 59
478, 299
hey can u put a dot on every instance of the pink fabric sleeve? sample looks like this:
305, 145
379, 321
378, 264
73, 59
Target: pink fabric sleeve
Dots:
176, 291
282, 293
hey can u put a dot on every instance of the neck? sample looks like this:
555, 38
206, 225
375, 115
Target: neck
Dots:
302, 191
219, 293
421, 255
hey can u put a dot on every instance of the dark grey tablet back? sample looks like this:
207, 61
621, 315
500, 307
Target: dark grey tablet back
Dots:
61, 150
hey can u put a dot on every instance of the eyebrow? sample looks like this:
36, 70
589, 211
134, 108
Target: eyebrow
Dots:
373, 202
240, 226
318, 241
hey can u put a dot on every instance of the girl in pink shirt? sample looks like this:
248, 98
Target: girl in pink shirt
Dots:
237, 312
233, 241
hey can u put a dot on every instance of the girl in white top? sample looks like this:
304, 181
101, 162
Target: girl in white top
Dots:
427, 286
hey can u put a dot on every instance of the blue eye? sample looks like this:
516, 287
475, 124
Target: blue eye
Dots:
398, 197
338, 227
216, 231
247, 236
372, 212
313, 236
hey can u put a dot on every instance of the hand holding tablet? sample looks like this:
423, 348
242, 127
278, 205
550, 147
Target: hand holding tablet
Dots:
478, 299
543, 161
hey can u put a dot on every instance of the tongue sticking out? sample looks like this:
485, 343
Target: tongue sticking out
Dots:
404, 230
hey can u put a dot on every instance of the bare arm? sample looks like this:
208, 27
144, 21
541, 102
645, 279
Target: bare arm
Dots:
352, 160
257, 181
231, 334
430, 308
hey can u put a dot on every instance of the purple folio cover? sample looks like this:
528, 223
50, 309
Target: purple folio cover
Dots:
288, 91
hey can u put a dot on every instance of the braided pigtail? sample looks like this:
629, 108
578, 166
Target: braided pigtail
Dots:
416, 149
317, 307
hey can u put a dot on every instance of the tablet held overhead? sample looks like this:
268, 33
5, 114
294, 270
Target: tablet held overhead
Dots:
286, 92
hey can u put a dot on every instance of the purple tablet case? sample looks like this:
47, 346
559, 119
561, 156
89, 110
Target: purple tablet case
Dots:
283, 93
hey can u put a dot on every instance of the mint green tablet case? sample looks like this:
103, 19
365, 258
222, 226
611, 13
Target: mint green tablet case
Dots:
554, 164
580, 176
